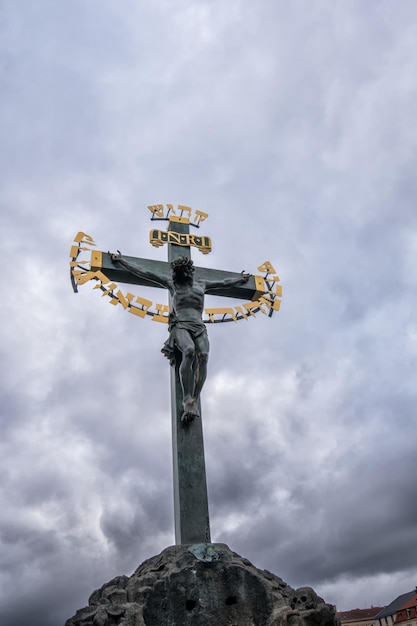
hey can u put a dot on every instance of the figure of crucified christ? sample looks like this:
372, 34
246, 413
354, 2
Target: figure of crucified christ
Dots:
187, 331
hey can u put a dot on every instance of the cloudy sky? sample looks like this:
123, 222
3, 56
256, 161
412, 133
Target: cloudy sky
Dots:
293, 125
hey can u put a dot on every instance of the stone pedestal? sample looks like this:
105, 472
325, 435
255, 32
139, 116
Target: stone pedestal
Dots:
202, 585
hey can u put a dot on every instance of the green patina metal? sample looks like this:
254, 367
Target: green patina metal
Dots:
187, 347
191, 510
192, 522
246, 291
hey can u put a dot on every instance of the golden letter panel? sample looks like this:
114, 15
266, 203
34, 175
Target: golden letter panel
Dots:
264, 298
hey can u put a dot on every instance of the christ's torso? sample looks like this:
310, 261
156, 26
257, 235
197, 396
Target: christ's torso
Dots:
188, 302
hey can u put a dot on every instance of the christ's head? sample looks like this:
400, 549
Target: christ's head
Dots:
182, 270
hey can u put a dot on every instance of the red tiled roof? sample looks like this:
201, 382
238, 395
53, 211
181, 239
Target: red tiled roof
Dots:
411, 602
358, 614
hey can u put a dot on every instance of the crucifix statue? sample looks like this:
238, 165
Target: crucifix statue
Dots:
187, 346
187, 331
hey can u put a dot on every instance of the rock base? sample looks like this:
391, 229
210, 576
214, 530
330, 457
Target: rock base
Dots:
202, 585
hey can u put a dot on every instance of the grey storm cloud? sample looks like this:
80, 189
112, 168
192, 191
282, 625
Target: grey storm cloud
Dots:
293, 127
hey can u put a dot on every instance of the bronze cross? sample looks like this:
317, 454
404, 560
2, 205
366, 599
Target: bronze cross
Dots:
187, 346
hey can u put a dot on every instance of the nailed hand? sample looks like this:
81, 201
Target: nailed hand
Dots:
115, 257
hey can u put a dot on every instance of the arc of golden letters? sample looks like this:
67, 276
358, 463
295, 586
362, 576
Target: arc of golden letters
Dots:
82, 273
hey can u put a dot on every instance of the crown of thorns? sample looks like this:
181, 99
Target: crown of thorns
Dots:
182, 262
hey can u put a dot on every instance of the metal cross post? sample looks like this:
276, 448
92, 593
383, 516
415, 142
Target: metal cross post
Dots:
191, 511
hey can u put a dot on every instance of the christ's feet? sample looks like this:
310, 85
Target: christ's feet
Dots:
190, 410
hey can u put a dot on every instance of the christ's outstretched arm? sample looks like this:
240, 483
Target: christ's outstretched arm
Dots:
226, 282
161, 281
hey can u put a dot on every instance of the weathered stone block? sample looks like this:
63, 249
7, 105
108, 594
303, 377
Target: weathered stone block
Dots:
202, 585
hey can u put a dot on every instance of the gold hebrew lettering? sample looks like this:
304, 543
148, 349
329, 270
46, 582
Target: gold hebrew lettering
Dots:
114, 300
220, 311
108, 289
84, 238
82, 277
124, 300
199, 216
231, 312
98, 275
250, 306
239, 309
145, 304
270, 281
271, 304
74, 252
157, 209
77, 263
162, 313
183, 208
170, 209
267, 267
274, 289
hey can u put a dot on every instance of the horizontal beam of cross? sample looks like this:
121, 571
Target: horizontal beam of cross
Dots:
253, 289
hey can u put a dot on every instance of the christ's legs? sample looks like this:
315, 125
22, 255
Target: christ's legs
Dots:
202, 352
187, 373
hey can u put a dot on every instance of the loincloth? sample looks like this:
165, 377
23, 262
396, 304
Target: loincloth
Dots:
196, 329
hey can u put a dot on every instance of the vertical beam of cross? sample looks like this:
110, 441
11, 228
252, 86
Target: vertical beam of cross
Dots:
191, 512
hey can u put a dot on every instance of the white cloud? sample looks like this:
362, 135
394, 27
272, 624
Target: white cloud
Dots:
293, 127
